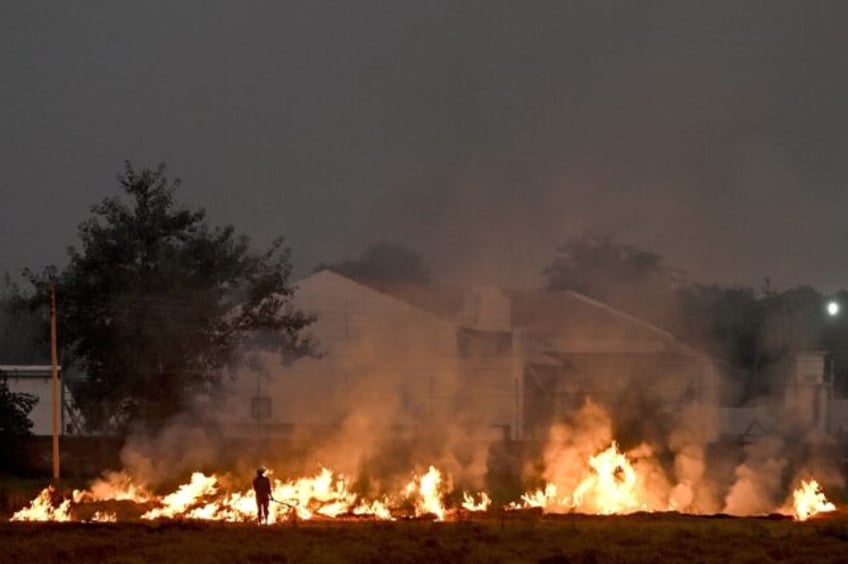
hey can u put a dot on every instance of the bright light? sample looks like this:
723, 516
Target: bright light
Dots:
832, 308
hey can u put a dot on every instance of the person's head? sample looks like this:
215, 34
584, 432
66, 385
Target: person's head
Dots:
260, 471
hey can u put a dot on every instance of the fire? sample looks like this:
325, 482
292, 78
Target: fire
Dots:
606, 483
377, 509
425, 493
541, 498
115, 486
611, 487
42, 509
470, 504
322, 495
186, 496
104, 517
809, 500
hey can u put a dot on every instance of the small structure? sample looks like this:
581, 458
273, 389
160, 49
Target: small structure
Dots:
804, 403
36, 380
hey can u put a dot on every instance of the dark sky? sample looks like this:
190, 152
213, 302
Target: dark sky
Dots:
480, 133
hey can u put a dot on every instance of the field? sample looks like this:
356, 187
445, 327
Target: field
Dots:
526, 538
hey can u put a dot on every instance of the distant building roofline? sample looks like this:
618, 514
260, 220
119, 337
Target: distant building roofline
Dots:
27, 370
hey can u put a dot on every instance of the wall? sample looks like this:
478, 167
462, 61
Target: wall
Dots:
42, 413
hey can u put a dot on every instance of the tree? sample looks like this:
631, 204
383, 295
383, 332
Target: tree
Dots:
157, 303
623, 276
22, 336
728, 322
14, 423
383, 263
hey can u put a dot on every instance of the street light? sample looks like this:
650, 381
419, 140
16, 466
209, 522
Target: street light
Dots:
833, 308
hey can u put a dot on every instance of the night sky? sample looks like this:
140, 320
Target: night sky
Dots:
481, 134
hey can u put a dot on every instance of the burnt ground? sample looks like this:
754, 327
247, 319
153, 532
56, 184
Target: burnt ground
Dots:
527, 538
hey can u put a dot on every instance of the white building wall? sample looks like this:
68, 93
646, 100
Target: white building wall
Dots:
42, 413
839, 417
383, 362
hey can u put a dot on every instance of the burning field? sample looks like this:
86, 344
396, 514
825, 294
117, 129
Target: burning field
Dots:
610, 485
610, 514
585, 498
321, 521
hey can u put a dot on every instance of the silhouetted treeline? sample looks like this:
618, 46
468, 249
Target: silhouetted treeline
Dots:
752, 330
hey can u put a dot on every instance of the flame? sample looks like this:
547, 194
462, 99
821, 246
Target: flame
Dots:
541, 498
425, 493
377, 509
809, 500
323, 494
611, 487
104, 517
186, 496
469, 503
607, 483
42, 509
114, 486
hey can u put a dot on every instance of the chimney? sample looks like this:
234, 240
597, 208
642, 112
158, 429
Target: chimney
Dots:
486, 308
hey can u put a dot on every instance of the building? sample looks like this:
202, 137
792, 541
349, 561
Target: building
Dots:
36, 380
501, 363
806, 404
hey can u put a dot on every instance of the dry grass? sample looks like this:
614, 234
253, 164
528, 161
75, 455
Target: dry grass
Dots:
552, 540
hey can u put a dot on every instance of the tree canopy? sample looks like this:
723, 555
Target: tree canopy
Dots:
750, 330
626, 277
22, 336
14, 424
383, 263
156, 303
14, 412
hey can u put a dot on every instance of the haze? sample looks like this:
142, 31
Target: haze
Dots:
481, 134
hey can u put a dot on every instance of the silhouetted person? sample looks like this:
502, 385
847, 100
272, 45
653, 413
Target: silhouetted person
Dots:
262, 488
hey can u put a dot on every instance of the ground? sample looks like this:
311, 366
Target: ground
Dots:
529, 538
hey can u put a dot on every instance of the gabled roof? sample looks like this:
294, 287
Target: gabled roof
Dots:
570, 322
355, 293
560, 321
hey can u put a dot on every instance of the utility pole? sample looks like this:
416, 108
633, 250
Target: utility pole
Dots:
54, 363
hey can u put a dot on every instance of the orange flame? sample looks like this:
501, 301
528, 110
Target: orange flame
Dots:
541, 498
469, 502
41, 509
104, 517
611, 487
607, 484
186, 496
809, 500
115, 486
425, 493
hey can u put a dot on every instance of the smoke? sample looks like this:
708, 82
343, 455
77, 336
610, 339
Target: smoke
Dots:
570, 446
696, 428
385, 397
181, 447
397, 389
759, 480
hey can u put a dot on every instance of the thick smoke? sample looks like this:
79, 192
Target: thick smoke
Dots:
387, 396
759, 480
384, 397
